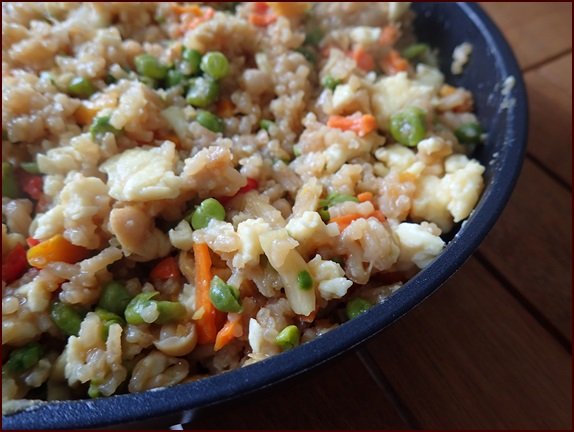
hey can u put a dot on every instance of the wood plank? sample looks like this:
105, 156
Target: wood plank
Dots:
550, 103
339, 395
536, 31
472, 357
531, 245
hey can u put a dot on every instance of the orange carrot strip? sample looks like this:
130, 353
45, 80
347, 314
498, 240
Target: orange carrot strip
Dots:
379, 215
167, 268
207, 14
365, 196
361, 125
345, 220
180, 10
56, 249
394, 63
206, 328
84, 115
231, 330
389, 35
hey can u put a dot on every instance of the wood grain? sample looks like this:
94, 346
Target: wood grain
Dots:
340, 395
472, 357
536, 31
531, 245
550, 102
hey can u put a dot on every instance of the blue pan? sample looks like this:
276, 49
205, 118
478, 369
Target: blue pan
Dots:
444, 26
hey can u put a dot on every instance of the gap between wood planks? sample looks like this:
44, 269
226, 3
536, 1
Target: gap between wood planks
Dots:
550, 59
544, 322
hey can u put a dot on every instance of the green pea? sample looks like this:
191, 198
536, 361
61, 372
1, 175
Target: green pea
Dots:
313, 37
330, 83
336, 198
94, 390
207, 210
325, 215
114, 298
415, 50
209, 121
308, 53
137, 305
192, 60
356, 307
174, 77
169, 311
215, 64
30, 167
288, 338
22, 359
81, 87
10, 186
108, 318
469, 133
101, 125
265, 124
149, 66
224, 297
305, 280
297, 151
202, 91
66, 318
408, 127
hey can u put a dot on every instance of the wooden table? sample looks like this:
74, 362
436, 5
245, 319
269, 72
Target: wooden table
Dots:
492, 348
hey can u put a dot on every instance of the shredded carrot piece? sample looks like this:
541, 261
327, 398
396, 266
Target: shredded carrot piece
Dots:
360, 124
231, 330
345, 220
206, 325
207, 14
167, 268
55, 249
389, 35
446, 90
182, 9
365, 196
289, 9
394, 63
363, 59
262, 20
379, 215
225, 108
309, 318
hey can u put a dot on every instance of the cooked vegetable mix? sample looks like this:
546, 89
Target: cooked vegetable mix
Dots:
189, 188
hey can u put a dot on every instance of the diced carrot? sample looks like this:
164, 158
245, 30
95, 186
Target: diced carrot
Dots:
394, 63
225, 108
365, 196
167, 268
231, 330
363, 59
308, 318
84, 115
389, 35
206, 325
56, 249
360, 124
262, 20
